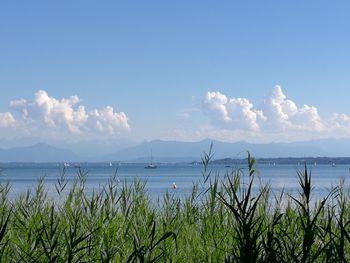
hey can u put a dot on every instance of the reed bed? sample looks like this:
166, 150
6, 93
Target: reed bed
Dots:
222, 220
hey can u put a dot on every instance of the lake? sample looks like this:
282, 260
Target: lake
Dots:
24, 176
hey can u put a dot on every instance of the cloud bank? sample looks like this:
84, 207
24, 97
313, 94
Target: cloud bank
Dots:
48, 116
277, 118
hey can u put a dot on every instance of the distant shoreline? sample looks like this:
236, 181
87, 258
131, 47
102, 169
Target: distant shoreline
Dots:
289, 160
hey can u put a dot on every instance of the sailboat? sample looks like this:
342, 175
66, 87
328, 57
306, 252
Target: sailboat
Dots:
151, 165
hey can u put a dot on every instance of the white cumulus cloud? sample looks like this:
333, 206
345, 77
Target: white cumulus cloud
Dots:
108, 121
341, 123
278, 118
45, 115
283, 114
236, 113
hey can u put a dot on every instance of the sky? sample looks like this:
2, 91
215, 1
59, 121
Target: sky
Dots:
258, 71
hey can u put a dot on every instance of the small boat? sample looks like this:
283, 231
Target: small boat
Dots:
110, 164
151, 165
333, 164
66, 164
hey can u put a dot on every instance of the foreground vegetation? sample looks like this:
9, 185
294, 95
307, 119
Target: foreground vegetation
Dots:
223, 220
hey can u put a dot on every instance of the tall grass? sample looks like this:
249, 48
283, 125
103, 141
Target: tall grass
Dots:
223, 220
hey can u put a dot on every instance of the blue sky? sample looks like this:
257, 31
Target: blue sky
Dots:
156, 61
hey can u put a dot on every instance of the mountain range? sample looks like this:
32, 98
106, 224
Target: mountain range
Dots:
176, 151
39, 152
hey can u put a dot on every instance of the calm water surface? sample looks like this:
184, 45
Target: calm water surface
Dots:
160, 180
